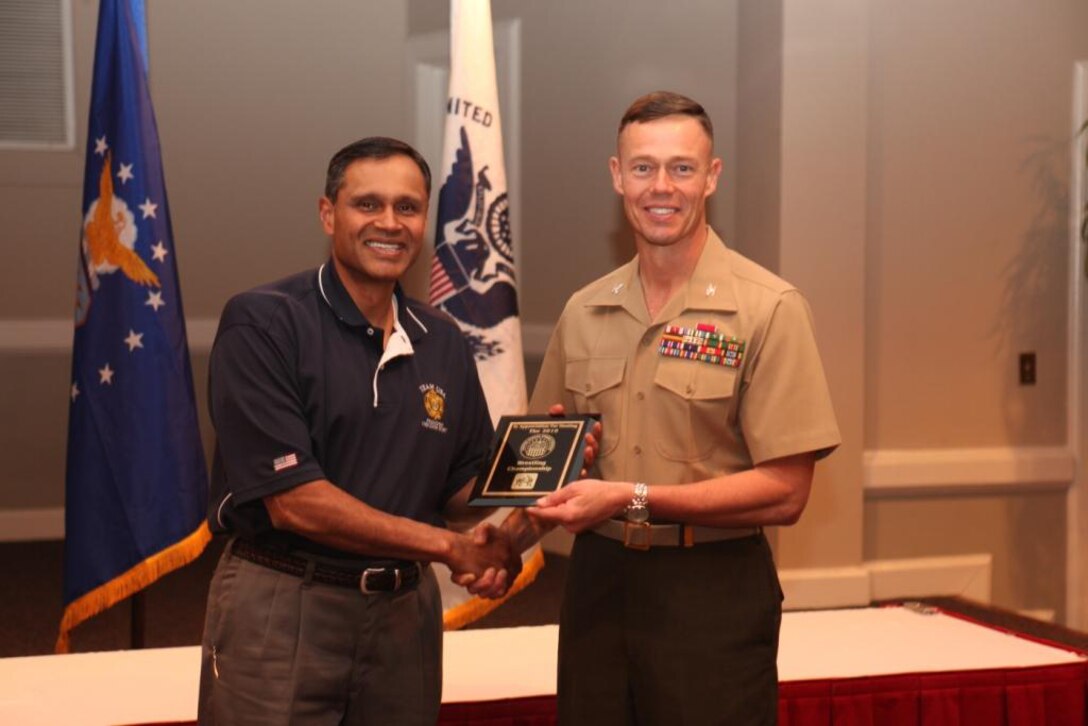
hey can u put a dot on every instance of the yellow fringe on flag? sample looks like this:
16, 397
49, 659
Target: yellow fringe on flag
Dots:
130, 582
471, 610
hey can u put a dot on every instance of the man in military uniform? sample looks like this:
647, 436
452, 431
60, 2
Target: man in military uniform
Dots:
704, 369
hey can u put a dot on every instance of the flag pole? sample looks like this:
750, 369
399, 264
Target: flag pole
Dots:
138, 622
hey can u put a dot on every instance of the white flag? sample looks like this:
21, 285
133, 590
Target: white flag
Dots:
472, 275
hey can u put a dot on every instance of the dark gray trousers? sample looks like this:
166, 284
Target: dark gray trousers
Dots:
672, 635
279, 649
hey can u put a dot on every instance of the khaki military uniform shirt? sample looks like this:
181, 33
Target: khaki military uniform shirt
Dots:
674, 420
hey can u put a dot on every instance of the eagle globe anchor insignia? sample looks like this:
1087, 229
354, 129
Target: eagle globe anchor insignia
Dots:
472, 277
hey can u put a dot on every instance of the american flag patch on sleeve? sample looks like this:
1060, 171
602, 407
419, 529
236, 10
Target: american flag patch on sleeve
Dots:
284, 462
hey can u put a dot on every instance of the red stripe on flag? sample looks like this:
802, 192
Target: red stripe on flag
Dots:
441, 284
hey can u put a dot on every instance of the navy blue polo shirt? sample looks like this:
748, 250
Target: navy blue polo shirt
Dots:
299, 391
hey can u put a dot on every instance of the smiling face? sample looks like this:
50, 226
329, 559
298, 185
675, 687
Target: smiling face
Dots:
664, 171
376, 221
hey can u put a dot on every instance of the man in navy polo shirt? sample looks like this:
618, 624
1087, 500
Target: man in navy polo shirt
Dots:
350, 425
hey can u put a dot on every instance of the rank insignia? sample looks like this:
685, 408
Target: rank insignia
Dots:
702, 343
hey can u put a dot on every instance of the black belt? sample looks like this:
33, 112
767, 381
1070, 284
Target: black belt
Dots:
376, 577
643, 536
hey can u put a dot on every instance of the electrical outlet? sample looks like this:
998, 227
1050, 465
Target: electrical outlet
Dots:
1027, 369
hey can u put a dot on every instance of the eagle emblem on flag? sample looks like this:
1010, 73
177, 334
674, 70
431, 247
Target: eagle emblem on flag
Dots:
109, 235
472, 275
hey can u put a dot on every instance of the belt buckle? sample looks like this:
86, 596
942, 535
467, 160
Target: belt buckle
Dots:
378, 571
636, 535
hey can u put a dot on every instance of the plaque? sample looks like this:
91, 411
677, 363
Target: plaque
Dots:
531, 456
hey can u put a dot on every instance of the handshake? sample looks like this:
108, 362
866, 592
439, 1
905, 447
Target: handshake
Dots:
485, 561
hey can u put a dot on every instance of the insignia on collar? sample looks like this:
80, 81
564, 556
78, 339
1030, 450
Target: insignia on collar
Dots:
702, 343
617, 288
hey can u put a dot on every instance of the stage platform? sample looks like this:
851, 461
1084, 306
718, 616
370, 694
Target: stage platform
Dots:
881, 665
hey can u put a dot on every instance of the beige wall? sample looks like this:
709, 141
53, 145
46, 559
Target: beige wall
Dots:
951, 183
968, 219
966, 252
1025, 534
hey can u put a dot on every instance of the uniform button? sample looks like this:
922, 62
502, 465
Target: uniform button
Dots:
637, 449
640, 395
370, 331
588, 386
690, 388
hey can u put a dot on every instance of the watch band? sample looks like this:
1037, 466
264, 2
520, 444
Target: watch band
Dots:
638, 510
636, 530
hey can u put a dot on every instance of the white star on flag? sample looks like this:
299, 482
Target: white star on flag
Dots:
105, 374
126, 173
148, 209
134, 340
158, 252
75, 390
100, 146
154, 299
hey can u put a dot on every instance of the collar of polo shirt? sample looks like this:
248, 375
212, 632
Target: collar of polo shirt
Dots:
400, 339
336, 296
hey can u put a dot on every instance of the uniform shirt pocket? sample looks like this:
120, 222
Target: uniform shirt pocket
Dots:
695, 408
594, 383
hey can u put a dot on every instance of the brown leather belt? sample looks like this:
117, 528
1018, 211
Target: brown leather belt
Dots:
644, 536
379, 576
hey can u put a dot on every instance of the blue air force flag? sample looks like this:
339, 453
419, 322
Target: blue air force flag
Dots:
136, 480
472, 273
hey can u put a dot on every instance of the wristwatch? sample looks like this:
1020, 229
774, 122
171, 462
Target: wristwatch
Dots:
637, 511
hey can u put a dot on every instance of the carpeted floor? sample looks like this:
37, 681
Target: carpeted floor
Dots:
30, 607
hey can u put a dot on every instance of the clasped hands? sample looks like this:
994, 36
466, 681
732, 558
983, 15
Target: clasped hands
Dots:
490, 562
497, 560
486, 562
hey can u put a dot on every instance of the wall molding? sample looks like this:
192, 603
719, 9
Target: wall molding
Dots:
969, 576
54, 335
29, 525
936, 472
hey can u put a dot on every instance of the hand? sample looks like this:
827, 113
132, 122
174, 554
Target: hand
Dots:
490, 563
583, 504
592, 439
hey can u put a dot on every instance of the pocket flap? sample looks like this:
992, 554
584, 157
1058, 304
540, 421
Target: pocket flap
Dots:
696, 380
590, 376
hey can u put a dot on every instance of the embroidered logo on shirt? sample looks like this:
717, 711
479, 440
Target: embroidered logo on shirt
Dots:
434, 405
703, 343
284, 462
